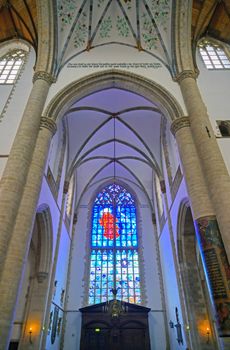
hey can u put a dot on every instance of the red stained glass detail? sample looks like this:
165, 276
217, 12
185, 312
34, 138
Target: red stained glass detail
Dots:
108, 221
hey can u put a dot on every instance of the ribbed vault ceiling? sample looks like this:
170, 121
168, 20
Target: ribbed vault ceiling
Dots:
143, 25
114, 133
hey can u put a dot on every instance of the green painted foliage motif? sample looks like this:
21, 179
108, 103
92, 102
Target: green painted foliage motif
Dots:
106, 27
148, 33
128, 4
81, 30
100, 3
160, 10
66, 10
122, 27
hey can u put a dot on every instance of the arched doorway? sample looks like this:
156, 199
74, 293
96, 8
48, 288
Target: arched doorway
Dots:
31, 306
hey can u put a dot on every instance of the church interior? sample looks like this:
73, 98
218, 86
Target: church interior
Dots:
114, 174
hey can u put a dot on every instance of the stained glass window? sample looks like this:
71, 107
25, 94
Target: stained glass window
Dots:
114, 260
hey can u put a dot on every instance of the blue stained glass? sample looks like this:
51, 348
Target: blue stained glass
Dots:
114, 226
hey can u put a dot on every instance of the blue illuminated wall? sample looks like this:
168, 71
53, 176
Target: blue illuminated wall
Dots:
114, 247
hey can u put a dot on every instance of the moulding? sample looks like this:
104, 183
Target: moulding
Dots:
185, 74
163, 186
180, 123
66, 187
49, 124
114, 78
44, 76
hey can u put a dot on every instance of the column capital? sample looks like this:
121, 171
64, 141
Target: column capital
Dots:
66, 187
179, 123
49, 124
75, 219
162, 186
184, 75
44, 76
154, 219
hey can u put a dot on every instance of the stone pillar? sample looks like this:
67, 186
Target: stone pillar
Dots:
212, 163
15, 174
16, 257
198, 194
212, 250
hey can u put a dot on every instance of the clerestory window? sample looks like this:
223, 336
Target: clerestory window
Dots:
213, 56
10, 66
114, 263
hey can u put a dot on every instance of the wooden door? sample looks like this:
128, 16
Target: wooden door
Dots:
102, 331
93, 340
133, 338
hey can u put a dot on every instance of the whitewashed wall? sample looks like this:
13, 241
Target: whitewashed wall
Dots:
113, 57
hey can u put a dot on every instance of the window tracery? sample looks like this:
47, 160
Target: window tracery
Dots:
10, 66
213, 56
114, 263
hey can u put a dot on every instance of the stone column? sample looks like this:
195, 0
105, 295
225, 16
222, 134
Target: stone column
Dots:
21, 236
15, 174
212, 250
198, 194
212, 163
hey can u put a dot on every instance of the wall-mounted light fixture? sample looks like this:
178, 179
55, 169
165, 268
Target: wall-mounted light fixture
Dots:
178, 327
30, 335
208, 334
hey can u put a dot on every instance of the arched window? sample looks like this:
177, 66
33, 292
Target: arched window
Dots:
114, 263
10, 66
213, 55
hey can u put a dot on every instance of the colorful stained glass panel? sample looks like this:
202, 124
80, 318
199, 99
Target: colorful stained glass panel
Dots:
114, 242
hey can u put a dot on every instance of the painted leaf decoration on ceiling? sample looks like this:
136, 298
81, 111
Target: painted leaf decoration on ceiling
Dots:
85, 24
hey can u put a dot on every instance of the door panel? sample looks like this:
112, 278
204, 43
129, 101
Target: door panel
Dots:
133, 339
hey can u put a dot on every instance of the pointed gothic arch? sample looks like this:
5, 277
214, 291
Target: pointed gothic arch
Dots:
40, 254
114, 78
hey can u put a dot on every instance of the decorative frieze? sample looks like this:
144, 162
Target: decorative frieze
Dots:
44, 76
179, 123
49, 124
